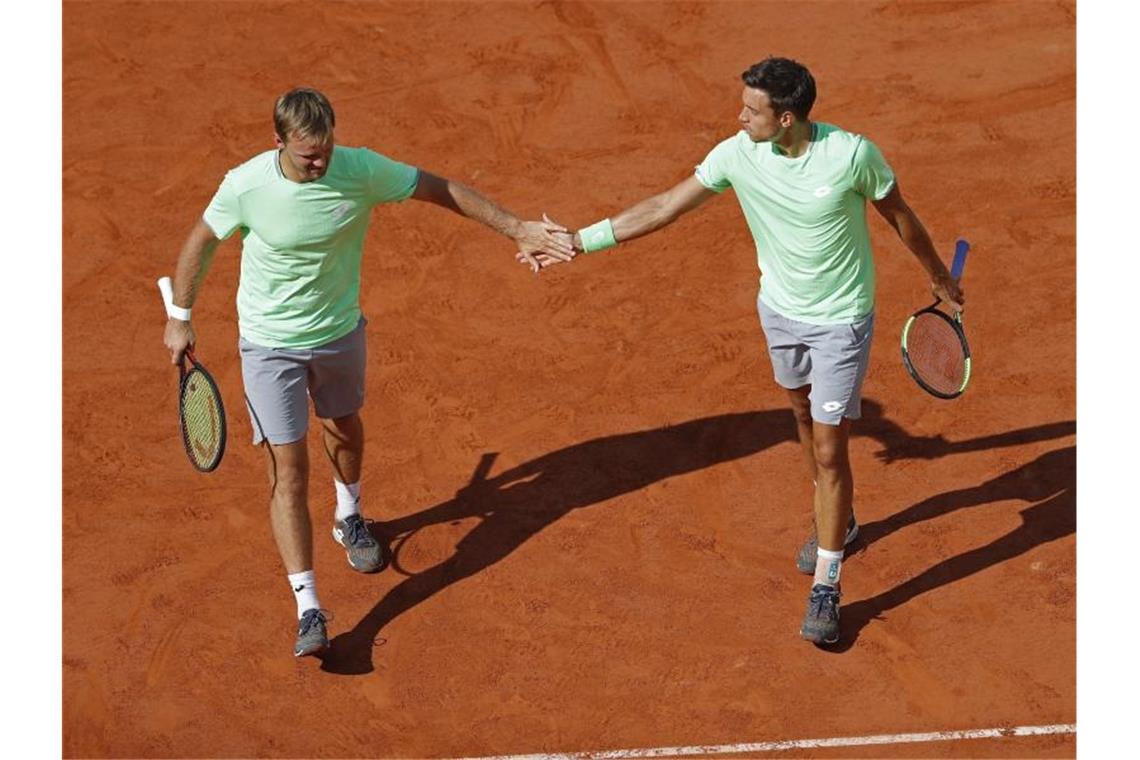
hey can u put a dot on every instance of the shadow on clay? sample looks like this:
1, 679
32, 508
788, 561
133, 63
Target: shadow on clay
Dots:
519, 502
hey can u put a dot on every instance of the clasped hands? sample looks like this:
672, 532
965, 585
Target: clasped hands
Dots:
544, 243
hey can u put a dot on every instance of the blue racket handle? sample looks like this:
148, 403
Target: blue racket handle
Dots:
960, 251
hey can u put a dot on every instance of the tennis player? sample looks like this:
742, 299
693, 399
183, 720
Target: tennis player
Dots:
302, 210
803, 187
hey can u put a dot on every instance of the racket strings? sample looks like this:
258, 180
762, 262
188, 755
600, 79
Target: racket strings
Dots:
201, 419
935, 353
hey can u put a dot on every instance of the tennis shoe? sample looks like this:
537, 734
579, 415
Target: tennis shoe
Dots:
805, 560
312, 636
365, 554
821, 621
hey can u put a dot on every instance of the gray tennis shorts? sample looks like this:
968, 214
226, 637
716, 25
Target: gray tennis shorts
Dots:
279, 382
832, 359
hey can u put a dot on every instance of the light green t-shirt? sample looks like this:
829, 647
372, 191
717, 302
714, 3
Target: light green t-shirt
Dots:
808, 217
302, 242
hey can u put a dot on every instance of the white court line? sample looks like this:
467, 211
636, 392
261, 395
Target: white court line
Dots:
848, 741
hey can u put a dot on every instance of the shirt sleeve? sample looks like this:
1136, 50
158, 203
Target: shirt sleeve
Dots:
389, 181
713, 172
873, 178
223, 215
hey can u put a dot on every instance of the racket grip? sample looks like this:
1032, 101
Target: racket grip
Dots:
960, 251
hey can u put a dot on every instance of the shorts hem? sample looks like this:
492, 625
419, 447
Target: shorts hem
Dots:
837, 422
324, 416
795, 387
259, 439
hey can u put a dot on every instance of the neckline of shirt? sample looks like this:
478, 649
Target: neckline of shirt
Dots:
791, 160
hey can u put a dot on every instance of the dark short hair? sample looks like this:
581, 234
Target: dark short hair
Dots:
790, 86
303, 112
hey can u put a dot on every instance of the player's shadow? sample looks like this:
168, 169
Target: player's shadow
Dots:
1048, 483
518, 503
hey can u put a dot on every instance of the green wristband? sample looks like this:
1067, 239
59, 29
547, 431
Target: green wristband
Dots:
598, 236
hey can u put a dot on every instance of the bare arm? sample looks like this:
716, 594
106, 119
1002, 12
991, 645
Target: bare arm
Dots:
658, 211
906, 223
648, 215
530, 237
189, 272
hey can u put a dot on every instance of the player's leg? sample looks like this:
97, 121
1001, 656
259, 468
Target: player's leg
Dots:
343, 438
788, 349
801, 410
806, 558
276, 398
834, 484
344, 444
288, 466
840, 355
336, 385
833, 494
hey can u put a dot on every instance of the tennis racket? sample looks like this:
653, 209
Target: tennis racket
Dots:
934, 347
201, 416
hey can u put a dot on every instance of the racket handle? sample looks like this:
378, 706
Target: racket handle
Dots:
959, 264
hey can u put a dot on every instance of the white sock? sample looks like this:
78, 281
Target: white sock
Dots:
304, 587
347, 499
827, 567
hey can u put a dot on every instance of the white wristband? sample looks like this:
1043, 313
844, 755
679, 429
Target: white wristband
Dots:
167, 290
177, 312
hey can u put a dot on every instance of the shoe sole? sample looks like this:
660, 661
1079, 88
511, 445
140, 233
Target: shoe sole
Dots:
309, 652
818, 640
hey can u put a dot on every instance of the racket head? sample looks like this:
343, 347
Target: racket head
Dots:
201, 416
936, 354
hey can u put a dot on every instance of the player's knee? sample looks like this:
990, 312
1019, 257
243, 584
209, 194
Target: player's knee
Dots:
829, 454
291, 481
289, 469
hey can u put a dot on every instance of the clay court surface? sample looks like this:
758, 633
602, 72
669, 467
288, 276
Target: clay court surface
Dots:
591, 475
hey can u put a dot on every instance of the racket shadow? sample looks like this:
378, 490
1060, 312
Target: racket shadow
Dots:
1049, 483
898, 445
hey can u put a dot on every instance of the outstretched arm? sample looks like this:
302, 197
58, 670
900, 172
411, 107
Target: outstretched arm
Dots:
640, 219
910, 230
657, 212
189, 272
531, 237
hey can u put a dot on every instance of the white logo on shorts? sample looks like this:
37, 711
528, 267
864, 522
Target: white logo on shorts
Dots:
822, 191
832, 406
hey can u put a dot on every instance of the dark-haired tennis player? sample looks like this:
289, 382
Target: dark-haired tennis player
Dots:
302, 210
803, 186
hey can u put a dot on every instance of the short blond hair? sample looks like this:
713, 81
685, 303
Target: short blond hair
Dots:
303, 113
